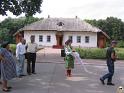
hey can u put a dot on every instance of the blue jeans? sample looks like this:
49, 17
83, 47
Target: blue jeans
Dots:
110, 74
20, 66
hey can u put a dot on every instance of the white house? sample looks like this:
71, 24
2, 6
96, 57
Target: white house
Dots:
53, 32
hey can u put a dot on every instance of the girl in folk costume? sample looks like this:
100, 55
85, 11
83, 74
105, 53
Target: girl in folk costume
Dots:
69, 59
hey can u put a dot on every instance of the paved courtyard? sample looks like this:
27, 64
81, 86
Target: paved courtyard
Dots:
50, 77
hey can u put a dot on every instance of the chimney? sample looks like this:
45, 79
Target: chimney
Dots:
48, 16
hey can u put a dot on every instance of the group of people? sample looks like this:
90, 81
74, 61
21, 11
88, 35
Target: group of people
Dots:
9, 68
26, 51
110, 56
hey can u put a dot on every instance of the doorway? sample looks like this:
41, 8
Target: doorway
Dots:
59, 39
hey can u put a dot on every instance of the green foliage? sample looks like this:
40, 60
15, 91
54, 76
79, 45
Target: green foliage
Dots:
9, 26
13, 48
17, 7
120, 53
120, 44
114, 27
97, 53
92, 53
31, 7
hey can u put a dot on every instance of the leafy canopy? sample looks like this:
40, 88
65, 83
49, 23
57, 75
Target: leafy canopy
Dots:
113, 26
17, 7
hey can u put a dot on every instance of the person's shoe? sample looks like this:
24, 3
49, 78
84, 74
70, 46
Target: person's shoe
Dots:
34, 73
6, 90
19, 76
102, 81
29, 73
22, 75
9, 87
111, 84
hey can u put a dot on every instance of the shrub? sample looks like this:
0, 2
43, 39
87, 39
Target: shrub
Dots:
120, 44
13, 48
120, 53
97, 53
92, 53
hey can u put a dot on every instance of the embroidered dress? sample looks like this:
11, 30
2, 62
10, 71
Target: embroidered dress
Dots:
69, 59
8, 65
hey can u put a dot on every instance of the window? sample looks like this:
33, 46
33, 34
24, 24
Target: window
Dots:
40, 38
78, 39
71, 38
60, 24
87, 39
32, 37
48, 38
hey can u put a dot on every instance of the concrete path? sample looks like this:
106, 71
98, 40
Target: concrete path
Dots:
49, 55
50, 77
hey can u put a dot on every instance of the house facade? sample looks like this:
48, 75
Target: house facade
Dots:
54, 32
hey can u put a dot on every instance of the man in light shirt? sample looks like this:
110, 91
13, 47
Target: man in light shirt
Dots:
31, 55
20, 55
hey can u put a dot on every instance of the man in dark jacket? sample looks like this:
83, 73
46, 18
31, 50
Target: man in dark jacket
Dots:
111, 58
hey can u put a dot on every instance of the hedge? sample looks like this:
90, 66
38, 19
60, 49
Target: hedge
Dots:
98, 53
90, 53
13, 48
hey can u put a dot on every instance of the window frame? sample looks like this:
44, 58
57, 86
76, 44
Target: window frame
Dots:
49, 39
40, 40
78, 39
87, 39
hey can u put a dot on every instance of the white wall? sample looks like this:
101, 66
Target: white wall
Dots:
92, 38
27, 35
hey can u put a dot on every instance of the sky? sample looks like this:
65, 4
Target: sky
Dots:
84, 9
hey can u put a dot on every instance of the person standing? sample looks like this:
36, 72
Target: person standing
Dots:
32, 48
20, 55
8, 66
69, 59
111, 58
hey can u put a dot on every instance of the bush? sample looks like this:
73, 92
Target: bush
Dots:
120, 44
97, 53
120, 53
13, 48
92, 53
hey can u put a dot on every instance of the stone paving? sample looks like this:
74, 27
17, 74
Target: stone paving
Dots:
50, 77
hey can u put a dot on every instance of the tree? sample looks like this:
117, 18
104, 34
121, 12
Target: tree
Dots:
29, 7
114, 27
9, 26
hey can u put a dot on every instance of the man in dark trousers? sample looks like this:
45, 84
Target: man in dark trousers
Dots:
31, 55
111, 58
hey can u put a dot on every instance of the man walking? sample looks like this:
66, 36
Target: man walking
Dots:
20, 55
111, 58
31, 55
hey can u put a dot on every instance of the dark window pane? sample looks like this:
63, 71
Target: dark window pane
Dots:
87, 39
48, 38
78, 39
40, 38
